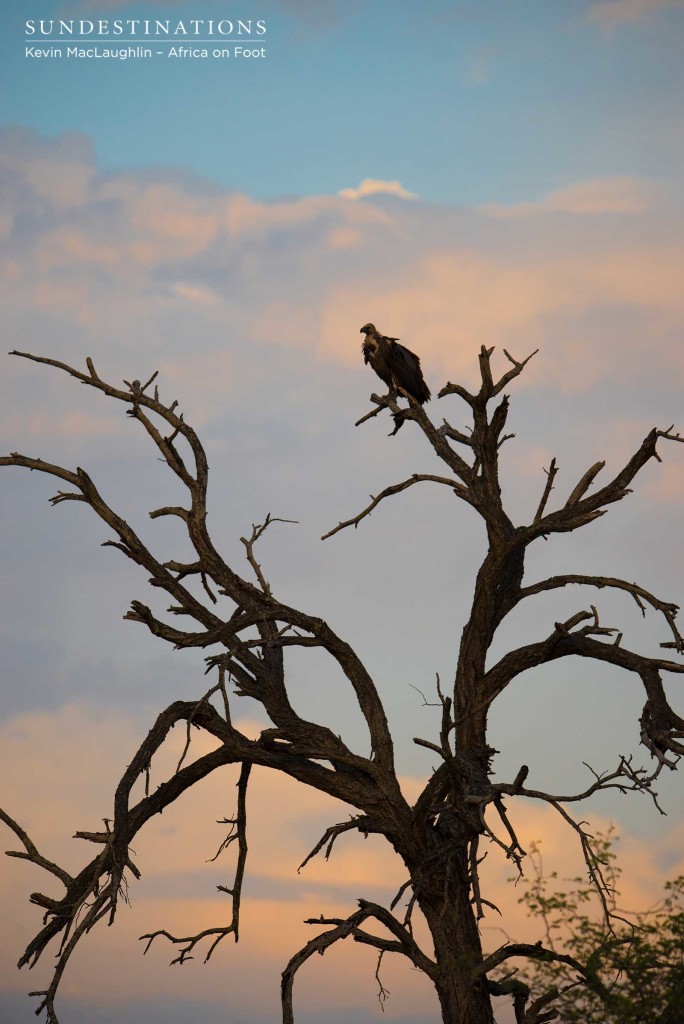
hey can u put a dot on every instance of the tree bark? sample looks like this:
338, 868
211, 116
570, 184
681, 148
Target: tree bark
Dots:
450, 916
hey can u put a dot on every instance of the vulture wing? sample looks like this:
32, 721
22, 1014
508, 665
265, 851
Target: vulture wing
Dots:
405, 367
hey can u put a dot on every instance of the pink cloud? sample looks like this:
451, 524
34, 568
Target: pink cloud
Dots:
245, 217
152, 260
344, 238
668, 483
283, 816
599, 196
72, 424
451, 303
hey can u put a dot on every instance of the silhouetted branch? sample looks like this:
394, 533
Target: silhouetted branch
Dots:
257, 531
640, 595
31, 853
237, 834
342, 929
550, 477
583, 510
360, 823
416, 478
437, 838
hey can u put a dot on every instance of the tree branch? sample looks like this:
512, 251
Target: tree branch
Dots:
539, 952
640, 595
454, 485
361, 822
237, 833
583, 510
550, 477
343, 929
31, 853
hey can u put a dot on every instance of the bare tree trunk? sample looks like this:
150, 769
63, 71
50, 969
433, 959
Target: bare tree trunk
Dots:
461, 1006
453, 925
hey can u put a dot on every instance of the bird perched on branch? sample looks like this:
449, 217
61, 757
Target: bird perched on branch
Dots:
395, 364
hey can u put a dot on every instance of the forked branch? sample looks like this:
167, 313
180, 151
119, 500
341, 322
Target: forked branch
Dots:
342, 928
641, 596
238, 833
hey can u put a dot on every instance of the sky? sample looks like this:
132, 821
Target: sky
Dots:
506, 174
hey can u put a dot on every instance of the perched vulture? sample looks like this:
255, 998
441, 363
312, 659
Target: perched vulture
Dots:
395, 364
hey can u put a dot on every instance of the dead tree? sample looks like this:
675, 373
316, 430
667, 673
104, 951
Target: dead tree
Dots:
244, 629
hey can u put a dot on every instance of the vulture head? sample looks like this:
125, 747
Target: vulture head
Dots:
368, 329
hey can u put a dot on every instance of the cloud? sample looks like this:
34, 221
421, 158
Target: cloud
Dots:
374, 186
195, 293
596, 197
610, 14
177, 890
668, 485
140, 262
230, 296
58, 171
72, 424
447, 301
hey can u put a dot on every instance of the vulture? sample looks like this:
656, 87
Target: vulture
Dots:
395, 364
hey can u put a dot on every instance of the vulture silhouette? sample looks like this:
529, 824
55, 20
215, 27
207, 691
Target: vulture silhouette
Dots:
396, 365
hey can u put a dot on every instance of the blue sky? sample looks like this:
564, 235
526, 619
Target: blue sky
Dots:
463, 102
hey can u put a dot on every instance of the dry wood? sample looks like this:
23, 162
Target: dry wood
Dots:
242, 628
